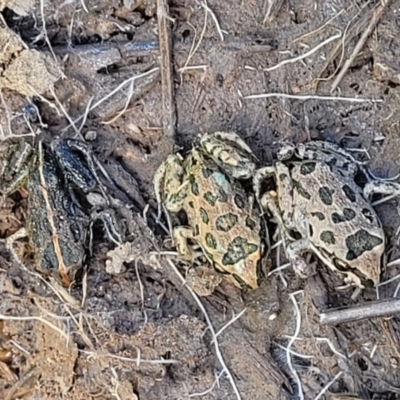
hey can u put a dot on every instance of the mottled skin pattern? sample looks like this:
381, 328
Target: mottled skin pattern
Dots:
220, 216
56, 226
338, 220
70, 221
326, 207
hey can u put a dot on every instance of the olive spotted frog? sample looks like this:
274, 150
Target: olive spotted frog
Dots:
222, 221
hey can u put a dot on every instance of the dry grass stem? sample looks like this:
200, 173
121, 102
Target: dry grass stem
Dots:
116, 90
46, 38
35, 318
194, 47
291, 342
167, 77
230, 322
216, 381
64, 111
311, 97
44, 100
292, 351
376, 16
84, 6
141, 287
88, 105
208, 9
331, 346
305, 55
328, 385
137, 360
211, 328
183, 69
305, 36
128, 100
350, 32
281, 268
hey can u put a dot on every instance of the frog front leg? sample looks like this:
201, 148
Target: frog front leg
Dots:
169, 187
284, 189
381, 187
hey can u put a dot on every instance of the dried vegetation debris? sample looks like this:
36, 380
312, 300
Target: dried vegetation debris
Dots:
121, 319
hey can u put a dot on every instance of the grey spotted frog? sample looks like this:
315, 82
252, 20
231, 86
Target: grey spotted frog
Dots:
221, 217
317, 198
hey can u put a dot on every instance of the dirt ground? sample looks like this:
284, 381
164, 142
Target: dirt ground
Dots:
130, 329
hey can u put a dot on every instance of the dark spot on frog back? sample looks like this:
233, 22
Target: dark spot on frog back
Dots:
347, 215
210, 198
204, 215
361, 242
250, 223
349, 192
318, 215
300, 190
226, 222
369, 215
207, 172
210, 241
328, 237
307, 167
325, 193
222, 196
238, 250
194, 185
240, 201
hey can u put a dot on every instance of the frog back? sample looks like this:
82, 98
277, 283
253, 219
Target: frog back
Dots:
340, 221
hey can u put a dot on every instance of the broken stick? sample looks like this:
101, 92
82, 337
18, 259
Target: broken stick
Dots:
373, 309
167, 79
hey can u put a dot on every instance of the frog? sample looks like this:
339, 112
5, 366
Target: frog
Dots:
222, 218
319, 208
56, 225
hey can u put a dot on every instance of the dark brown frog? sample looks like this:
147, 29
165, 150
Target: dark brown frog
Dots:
56, 225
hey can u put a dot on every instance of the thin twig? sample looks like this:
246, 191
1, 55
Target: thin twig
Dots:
210, 327
46, 37
140, 286
35, 318
209, 390
167, 80
194, 47
302, 37
292, 340
135, 360
328, 385
311, 97
372, 309
305, 55
128, 100
64, 111
376, 15
84, 6
116, 90
234, 318
208, 9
